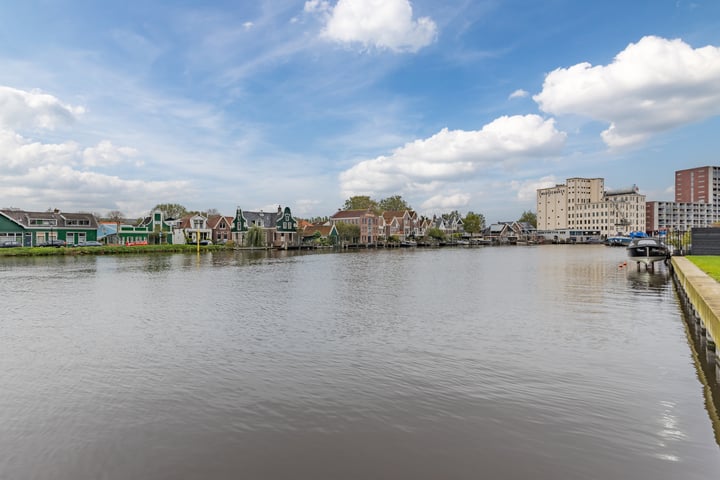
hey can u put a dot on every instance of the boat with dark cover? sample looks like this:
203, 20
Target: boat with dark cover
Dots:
647, 250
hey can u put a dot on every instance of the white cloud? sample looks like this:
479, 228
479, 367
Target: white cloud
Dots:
444, 203
18, 155
527, 189
452, 156
382, 24
519, 93
106, 154
248, 25
315, 6
39, 174
304, 206
20, 109
70, 189
650, 87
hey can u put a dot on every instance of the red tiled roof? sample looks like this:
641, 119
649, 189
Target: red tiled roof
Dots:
214, 220
351, 213
323, 229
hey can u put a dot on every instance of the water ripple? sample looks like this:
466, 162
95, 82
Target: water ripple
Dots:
548, 362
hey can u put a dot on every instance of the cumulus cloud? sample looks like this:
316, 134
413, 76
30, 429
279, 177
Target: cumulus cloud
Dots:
382, 24
38, 174
305, 206
62, 185
18, 154
519, 94
107, 154
42, 174
526, 190
20, 109
454, 155
440, 203
650, 87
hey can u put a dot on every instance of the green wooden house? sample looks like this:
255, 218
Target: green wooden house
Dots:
35, 228
280, 228
152, 230
316, 235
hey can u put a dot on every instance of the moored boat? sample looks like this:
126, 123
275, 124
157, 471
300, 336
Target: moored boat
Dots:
618, 241
647, 250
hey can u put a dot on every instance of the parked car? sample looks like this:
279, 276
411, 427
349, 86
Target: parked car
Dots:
89, 243
10, 244
52, 243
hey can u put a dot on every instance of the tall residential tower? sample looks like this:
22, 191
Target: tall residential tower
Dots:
697, 202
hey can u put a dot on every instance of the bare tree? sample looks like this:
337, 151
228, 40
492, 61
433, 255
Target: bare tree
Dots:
117, 217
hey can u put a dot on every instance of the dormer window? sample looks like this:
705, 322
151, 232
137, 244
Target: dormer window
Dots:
43, 221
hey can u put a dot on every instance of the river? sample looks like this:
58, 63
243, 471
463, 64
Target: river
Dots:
542, 362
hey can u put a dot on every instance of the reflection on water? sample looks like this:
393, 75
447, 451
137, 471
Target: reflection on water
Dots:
650, 282
704, 357
539, 362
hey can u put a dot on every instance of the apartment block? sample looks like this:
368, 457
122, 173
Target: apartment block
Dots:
696, 205
698, 185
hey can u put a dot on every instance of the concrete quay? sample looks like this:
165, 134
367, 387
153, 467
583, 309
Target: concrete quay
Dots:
702, 294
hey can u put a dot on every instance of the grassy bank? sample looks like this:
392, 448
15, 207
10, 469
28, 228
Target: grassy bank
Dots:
709, 264
107, 250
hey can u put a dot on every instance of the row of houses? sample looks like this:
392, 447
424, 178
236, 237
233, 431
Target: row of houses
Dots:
279, 229
35, 228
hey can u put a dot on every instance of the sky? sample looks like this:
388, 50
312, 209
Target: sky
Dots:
467, 105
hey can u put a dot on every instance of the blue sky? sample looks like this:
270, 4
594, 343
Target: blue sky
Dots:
455, 105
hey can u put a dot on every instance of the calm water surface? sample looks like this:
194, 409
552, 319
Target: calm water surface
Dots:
547, 362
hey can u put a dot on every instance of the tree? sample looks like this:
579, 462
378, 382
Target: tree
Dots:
360, 202
435, 233
529, 217
348, 232
171, 210
116, 216
474, 222
212, 211
451, 215
394, 203
255, 237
